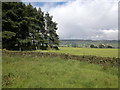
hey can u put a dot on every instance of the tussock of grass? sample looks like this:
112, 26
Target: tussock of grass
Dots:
54, 72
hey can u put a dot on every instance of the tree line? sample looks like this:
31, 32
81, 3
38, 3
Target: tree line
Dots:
101, 46
26, 28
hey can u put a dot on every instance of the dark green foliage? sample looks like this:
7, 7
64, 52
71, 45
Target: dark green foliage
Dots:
55, 47
101, 46
109, 46
26, 28
8, 34
51, 28
8, 38
92, 46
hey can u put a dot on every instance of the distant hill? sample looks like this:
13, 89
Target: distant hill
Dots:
87, 43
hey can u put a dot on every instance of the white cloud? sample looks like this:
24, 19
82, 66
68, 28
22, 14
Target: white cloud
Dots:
106, 34
86, 19
110, 34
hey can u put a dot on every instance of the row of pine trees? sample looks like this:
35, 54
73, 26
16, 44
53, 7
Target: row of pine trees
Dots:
26, 28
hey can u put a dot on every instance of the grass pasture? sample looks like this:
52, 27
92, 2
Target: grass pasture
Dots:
53, 72
86, 51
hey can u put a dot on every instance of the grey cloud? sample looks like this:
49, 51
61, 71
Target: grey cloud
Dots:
93, 19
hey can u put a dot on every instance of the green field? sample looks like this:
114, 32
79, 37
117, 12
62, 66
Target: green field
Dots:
86, 51
53, 72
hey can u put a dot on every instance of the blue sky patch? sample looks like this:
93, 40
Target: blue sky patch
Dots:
36, 4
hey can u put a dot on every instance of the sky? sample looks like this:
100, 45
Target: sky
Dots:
83, 19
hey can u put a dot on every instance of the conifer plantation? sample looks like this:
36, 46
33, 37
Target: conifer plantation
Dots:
26, 28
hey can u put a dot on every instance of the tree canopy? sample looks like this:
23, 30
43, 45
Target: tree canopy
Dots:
26, 28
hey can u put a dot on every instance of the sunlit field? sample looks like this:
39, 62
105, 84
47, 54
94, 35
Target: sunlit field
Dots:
86, 51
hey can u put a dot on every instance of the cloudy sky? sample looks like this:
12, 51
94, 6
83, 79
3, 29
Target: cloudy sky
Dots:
83, 19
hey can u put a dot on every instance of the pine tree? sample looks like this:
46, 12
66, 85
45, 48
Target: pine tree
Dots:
9, 25
51, 28
26, 28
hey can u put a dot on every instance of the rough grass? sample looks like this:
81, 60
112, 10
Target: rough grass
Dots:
54, 72
86, 51
111, 61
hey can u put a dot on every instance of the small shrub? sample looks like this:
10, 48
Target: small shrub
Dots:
109, 46
92, 46
101, 46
